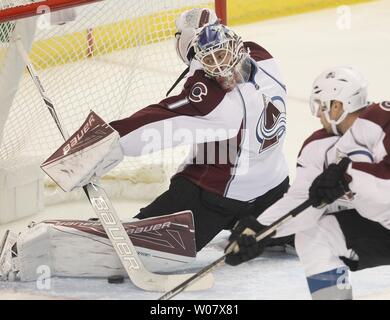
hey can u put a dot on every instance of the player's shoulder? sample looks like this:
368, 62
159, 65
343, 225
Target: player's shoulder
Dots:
203, 92
200, 76
378, 113
257, 52
317, 138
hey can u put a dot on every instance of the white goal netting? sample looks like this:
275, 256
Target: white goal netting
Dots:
115, 57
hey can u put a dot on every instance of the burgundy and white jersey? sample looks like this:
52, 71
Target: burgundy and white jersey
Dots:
367, 144
310, 163
371, 180
237, 136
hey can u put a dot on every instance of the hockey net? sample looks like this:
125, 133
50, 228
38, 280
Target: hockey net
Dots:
112, 56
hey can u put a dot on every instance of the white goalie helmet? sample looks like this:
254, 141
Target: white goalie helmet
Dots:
219, 49
188, 25
344, 84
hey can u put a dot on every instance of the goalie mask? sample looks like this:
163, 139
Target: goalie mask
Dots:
188, 25
343, 84
220, 50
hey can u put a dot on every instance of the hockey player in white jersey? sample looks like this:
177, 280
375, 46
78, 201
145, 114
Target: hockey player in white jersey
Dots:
231, 110
349, 156
244, 118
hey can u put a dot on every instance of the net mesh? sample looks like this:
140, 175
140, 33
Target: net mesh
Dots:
116, 57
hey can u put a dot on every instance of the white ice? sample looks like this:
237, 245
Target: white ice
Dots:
304, 45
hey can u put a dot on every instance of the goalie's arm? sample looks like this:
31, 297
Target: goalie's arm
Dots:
201, 113
97, 147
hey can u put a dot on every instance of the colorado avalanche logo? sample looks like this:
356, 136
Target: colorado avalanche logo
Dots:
198, 90
385, 105
270, 127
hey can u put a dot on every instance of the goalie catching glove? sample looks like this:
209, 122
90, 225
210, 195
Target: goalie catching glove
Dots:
246, 246
89, 153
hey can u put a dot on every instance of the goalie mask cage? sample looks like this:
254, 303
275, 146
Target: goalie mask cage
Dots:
112, 56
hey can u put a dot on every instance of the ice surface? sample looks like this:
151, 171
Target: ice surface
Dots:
275, 275
304, 45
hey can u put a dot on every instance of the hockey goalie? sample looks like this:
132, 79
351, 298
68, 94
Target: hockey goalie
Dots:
225, 105
75, 248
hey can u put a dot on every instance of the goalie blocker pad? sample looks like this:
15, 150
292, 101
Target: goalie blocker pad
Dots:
90, 152
75, 248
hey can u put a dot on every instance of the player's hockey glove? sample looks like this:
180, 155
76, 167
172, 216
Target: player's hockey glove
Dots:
246, 246
331, 184
248, 222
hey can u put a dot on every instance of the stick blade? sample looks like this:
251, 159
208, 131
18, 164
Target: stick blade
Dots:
204, 283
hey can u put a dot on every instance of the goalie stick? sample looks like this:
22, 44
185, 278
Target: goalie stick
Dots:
268, 232
110, 221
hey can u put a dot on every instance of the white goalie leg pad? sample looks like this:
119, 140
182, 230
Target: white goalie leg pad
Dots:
67, 248
90, 152
6, 245
64, 252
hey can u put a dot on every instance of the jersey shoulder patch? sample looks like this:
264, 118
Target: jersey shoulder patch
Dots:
203, 93
197, 92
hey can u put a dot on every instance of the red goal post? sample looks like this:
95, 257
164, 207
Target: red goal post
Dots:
10, 11
14, 11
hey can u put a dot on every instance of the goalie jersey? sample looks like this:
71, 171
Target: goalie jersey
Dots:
367, 143
236, 137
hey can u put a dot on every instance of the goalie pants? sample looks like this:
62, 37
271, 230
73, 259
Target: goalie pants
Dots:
212, 212
343, 238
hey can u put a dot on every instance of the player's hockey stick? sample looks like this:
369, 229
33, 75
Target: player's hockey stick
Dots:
269, 231
110, 221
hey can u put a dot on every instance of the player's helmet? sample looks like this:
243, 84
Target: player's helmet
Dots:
344, 84
219, 50
188, 25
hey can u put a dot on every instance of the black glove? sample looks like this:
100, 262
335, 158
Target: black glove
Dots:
331, 184
353, 265
248, 222
248, 247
